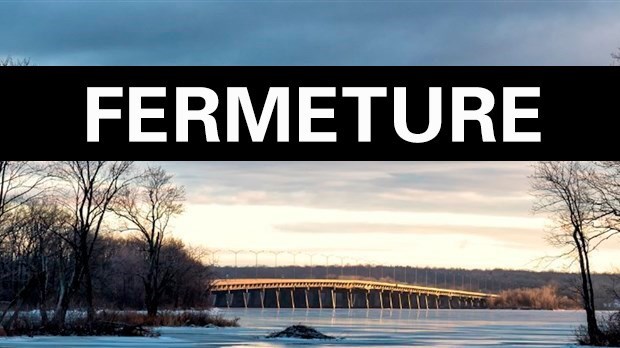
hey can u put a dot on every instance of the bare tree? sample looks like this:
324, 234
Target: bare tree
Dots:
10, 61
192, 278
33, 247
563, 191
606, 184
87, 193
19, 183
148, 209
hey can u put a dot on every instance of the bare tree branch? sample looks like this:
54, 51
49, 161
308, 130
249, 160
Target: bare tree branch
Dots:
149, 208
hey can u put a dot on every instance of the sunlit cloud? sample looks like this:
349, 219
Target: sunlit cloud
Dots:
444, 214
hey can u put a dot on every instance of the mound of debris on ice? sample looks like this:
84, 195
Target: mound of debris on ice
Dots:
300, 331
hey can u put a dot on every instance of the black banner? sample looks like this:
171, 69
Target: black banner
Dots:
526, 113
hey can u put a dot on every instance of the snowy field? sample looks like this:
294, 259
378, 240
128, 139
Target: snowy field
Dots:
359, 327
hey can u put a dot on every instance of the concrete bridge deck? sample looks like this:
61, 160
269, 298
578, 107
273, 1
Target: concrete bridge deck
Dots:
315, 293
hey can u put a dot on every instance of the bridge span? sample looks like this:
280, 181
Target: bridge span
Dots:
339, 293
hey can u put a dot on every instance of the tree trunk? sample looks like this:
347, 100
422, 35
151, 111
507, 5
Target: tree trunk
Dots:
60, 313
150, 300
18, 302
90, 309
151, 286
18, 308
151, 309
65, 295
42, 281
43, 314
84, 260
586, 284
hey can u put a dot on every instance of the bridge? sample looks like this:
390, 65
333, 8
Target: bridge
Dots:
339, 293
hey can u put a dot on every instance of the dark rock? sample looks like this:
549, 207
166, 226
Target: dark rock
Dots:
300, 331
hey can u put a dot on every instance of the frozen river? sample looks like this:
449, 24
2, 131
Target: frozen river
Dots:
358, 327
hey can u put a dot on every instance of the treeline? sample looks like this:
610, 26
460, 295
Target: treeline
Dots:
117, 269
92, 234
546, 297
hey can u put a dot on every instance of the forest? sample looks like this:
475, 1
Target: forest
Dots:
93, 234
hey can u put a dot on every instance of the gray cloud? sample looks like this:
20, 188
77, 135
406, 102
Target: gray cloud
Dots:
490, 188
310, 33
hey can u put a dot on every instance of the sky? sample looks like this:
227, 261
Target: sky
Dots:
435, 214
463, 214
310, 32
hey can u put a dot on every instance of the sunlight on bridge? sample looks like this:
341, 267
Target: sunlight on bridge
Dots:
339, 293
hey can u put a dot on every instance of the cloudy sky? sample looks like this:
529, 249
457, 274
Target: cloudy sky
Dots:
310, 32
432, 214
442, 214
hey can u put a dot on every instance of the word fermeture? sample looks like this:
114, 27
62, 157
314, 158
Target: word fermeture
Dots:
278, 100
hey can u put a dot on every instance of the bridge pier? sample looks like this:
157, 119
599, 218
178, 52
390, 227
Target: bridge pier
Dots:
409, 299
229, 298
306, 296
293, 298
391, 296
381, 298
213, 297
367, 299
417, 298
320, 298
437, 301
350, 298
426, 300
400, 300
262, 298
246, 296
278, 298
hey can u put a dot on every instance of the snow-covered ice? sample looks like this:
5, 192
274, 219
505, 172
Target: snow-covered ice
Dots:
358, 327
